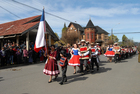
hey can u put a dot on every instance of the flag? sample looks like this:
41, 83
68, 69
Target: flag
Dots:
40, 37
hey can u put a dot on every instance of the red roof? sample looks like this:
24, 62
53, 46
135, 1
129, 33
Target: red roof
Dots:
18, 26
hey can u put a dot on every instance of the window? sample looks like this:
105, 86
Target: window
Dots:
99, 36
87, 28
87, 35
92, 35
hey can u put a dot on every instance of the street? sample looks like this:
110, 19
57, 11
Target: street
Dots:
119, 78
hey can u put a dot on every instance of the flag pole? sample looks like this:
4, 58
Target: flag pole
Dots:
46, 46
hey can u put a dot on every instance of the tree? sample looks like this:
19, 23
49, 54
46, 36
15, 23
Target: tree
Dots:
114, 38
72, 37
64, 33
130, 42
56, 35
124, 40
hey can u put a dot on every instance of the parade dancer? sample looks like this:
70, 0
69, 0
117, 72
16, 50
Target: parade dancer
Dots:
123, 52
99, 50
109, 53
94, 59
126, 52
116, 49
63, 64
84, 56
74, 61
51, 67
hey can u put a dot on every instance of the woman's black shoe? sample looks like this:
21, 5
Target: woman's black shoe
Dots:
49, 81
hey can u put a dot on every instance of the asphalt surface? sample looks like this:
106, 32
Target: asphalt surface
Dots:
119, 78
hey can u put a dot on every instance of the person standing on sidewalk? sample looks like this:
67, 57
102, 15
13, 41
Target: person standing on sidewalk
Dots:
25, 55
138, 53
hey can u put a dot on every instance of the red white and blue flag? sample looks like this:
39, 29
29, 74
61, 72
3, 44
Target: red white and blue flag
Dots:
40, 37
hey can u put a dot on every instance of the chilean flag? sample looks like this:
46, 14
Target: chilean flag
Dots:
40, 38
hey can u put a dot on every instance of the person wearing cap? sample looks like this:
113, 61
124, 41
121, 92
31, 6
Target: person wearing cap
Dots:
126, 52
123, 52
79, 44
99, 51
87, 44
63, 64
116, 49
84, 56
94, 59
99, 48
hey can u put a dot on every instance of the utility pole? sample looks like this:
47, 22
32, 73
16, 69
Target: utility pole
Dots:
112, 34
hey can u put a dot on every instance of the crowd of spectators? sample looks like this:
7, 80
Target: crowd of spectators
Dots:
12, 53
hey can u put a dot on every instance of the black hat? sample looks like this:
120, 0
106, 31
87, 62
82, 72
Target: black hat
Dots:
63, 52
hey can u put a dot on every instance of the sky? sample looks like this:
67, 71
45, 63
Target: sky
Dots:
120, 15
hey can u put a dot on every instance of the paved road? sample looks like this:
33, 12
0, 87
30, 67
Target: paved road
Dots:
120, 78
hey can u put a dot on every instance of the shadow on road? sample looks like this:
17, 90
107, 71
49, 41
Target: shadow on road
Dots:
103, 69
73, 78
1, 79
19, 65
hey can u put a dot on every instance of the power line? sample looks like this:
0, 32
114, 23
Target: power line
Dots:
126, 33
41, 10
10, 12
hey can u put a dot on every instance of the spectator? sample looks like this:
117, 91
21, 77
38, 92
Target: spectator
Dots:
41, 54
25, 55
15, 56
3, 57
18, 55
35, 56
30, 54
11, 55
7, 55
13, 45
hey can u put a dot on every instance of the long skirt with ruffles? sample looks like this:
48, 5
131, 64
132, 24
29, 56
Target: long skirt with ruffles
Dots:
51, 68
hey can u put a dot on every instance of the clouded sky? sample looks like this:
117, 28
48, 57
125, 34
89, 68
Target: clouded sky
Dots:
119, 15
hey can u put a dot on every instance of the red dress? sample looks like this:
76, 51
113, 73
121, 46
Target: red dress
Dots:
74, 61
110, 53
51, 67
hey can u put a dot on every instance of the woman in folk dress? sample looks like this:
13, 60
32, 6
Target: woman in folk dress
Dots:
74, 61
109, 53
51, 67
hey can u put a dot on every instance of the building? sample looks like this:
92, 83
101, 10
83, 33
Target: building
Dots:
90, 33
24, 30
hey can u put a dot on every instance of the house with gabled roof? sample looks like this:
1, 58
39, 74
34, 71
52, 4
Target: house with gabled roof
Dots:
90, 33
24, 30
